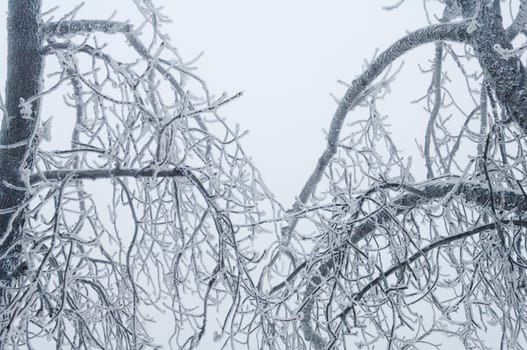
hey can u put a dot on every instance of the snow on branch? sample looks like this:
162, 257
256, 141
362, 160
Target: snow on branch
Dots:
445, 31
64, 28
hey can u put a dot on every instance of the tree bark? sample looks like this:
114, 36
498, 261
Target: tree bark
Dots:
24, 74
505, 72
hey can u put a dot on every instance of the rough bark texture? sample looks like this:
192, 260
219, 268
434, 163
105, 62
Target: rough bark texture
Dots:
24, 68
505, 73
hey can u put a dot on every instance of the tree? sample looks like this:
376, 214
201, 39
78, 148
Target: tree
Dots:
371, 253
172, 168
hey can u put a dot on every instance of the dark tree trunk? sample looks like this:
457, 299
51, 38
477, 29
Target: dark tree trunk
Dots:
24, 68
505, 73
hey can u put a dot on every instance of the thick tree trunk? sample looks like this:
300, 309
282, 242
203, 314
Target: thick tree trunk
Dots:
24, 68
503, 69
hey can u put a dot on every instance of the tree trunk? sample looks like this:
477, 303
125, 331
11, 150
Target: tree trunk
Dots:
24, 74
505, 72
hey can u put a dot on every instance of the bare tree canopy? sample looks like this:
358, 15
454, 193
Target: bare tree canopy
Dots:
374, 252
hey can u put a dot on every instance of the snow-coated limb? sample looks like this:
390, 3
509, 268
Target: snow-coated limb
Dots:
442, 189
519, 21
94, 174
444, 31
422, 254
181, 183
436, 89
109, 27
63, 28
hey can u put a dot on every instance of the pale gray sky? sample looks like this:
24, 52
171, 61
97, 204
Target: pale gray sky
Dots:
286, 56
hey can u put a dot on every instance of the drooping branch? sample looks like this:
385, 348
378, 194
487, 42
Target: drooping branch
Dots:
472, 192
109, 27
444, 31
423, 251
64, 28
442, 188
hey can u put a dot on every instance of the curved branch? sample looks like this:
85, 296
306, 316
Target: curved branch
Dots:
439, 243
443, 31
471, 191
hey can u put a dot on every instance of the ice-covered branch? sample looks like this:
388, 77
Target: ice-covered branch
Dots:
64, 28
444, 31
94, 174
519, 21
441, 189
436, 90
423, 251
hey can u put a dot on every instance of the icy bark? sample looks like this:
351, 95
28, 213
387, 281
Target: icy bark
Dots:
24, 64
505, 72
519, 21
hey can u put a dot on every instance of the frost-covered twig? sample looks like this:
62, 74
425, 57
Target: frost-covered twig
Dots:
64, 28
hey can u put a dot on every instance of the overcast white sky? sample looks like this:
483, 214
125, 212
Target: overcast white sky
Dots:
286, 56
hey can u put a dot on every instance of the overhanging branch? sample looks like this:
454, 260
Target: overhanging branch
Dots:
444, 31
471, 191
94, 174
423, 251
